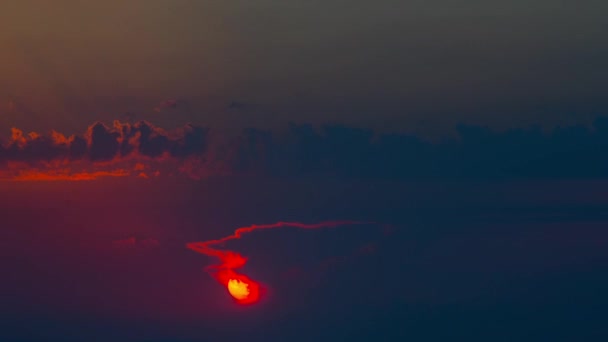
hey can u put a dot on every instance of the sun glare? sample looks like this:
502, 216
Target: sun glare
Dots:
238, 289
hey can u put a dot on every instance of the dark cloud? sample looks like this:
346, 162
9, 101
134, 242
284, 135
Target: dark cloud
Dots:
475, 152
114, 149
102, 143
329, 150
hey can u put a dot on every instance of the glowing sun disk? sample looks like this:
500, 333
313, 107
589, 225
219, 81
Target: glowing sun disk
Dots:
238, 289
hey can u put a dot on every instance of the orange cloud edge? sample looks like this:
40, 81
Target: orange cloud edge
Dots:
126, 150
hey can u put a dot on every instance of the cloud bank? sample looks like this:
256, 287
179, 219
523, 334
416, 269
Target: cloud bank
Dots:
146, 151
119, 150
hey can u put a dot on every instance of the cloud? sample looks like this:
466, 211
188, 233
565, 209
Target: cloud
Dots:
117, 150
146, 151
475, 152
103, 143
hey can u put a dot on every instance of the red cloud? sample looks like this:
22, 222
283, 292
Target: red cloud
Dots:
123, 149
329, 150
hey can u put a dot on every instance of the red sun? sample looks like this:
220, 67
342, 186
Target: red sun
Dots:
243, 289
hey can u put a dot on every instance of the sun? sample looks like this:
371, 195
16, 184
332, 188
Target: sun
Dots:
238, 289
244, 290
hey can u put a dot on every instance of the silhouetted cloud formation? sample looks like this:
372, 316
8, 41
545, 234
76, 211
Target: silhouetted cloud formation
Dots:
475, 152
328, 150
54, 156
103, 143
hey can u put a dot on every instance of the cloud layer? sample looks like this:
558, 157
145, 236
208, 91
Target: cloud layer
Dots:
144, 150
118, 150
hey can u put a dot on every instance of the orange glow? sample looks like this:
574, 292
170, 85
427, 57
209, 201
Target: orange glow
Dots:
236, 283
238, 289
60, 139
17, 137
65, 175
135, 149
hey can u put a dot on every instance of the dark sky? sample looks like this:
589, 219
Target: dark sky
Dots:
473, 261
470, 136
393, 64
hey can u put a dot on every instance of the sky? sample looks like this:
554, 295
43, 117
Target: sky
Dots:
461, 262
388, 170
391, 64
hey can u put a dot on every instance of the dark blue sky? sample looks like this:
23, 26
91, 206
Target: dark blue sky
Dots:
465, 260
